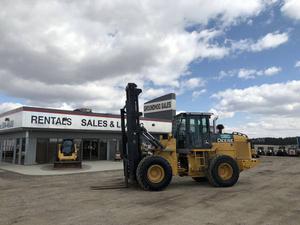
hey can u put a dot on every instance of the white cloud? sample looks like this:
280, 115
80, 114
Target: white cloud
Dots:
272, 71
221, 114
291, 8
269, 41
196, 94
187, 85
84, 56
276, 126
273, 115
297, 64
224, 74
6, 106
153, 93
262, 100
193, 83
246, 74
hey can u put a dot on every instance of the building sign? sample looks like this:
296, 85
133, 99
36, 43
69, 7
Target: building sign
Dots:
160, 106
11, 121
85, 122
53, 120
65, 120
225, 138
72, 121
163, 107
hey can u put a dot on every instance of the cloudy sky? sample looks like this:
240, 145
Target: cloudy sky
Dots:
237, 58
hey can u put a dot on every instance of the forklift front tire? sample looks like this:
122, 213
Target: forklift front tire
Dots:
154, 173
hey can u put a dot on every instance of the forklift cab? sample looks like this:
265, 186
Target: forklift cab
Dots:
192, 131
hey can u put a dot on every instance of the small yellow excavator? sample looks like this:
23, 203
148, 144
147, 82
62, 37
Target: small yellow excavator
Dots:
194, 149
67, 154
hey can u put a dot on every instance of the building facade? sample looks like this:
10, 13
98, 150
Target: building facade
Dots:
30, 135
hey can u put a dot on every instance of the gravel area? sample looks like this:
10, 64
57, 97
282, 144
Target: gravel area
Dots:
267, 194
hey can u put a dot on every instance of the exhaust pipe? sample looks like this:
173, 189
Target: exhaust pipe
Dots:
215, 124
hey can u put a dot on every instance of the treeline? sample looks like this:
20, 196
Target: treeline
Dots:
275, 141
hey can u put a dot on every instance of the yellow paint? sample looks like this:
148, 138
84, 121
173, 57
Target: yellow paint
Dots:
247, 163
225, 171
155, 173
224, 149
169, 153
198, 159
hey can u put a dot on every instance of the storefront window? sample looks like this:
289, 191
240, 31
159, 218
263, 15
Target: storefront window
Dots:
1, 150
46, 151
8, 150
42, 150
23, 148
78, 143
18, 150
52, 150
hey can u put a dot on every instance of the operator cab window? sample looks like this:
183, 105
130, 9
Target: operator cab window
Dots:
199, 135
204, 126
192, 131
195, 132
179, 131
182, 133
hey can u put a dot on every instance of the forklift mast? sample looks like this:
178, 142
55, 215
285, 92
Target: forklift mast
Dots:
131, 139
132, 132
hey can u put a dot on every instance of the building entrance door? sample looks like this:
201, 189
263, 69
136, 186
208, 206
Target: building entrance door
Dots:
41, 150
18, 151
103, 150
90, 149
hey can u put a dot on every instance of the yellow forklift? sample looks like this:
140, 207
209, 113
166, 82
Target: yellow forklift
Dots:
193, 149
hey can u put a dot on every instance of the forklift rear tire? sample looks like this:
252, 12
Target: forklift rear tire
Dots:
200, 179
154, 173
223, 171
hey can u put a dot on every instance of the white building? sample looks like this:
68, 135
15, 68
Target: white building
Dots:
30, 135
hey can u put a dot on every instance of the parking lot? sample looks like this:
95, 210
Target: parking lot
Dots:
267, 194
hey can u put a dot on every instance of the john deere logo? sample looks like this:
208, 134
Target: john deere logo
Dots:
225, 138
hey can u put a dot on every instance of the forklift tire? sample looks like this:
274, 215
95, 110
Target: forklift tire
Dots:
199, 179
154, 173
223, 171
